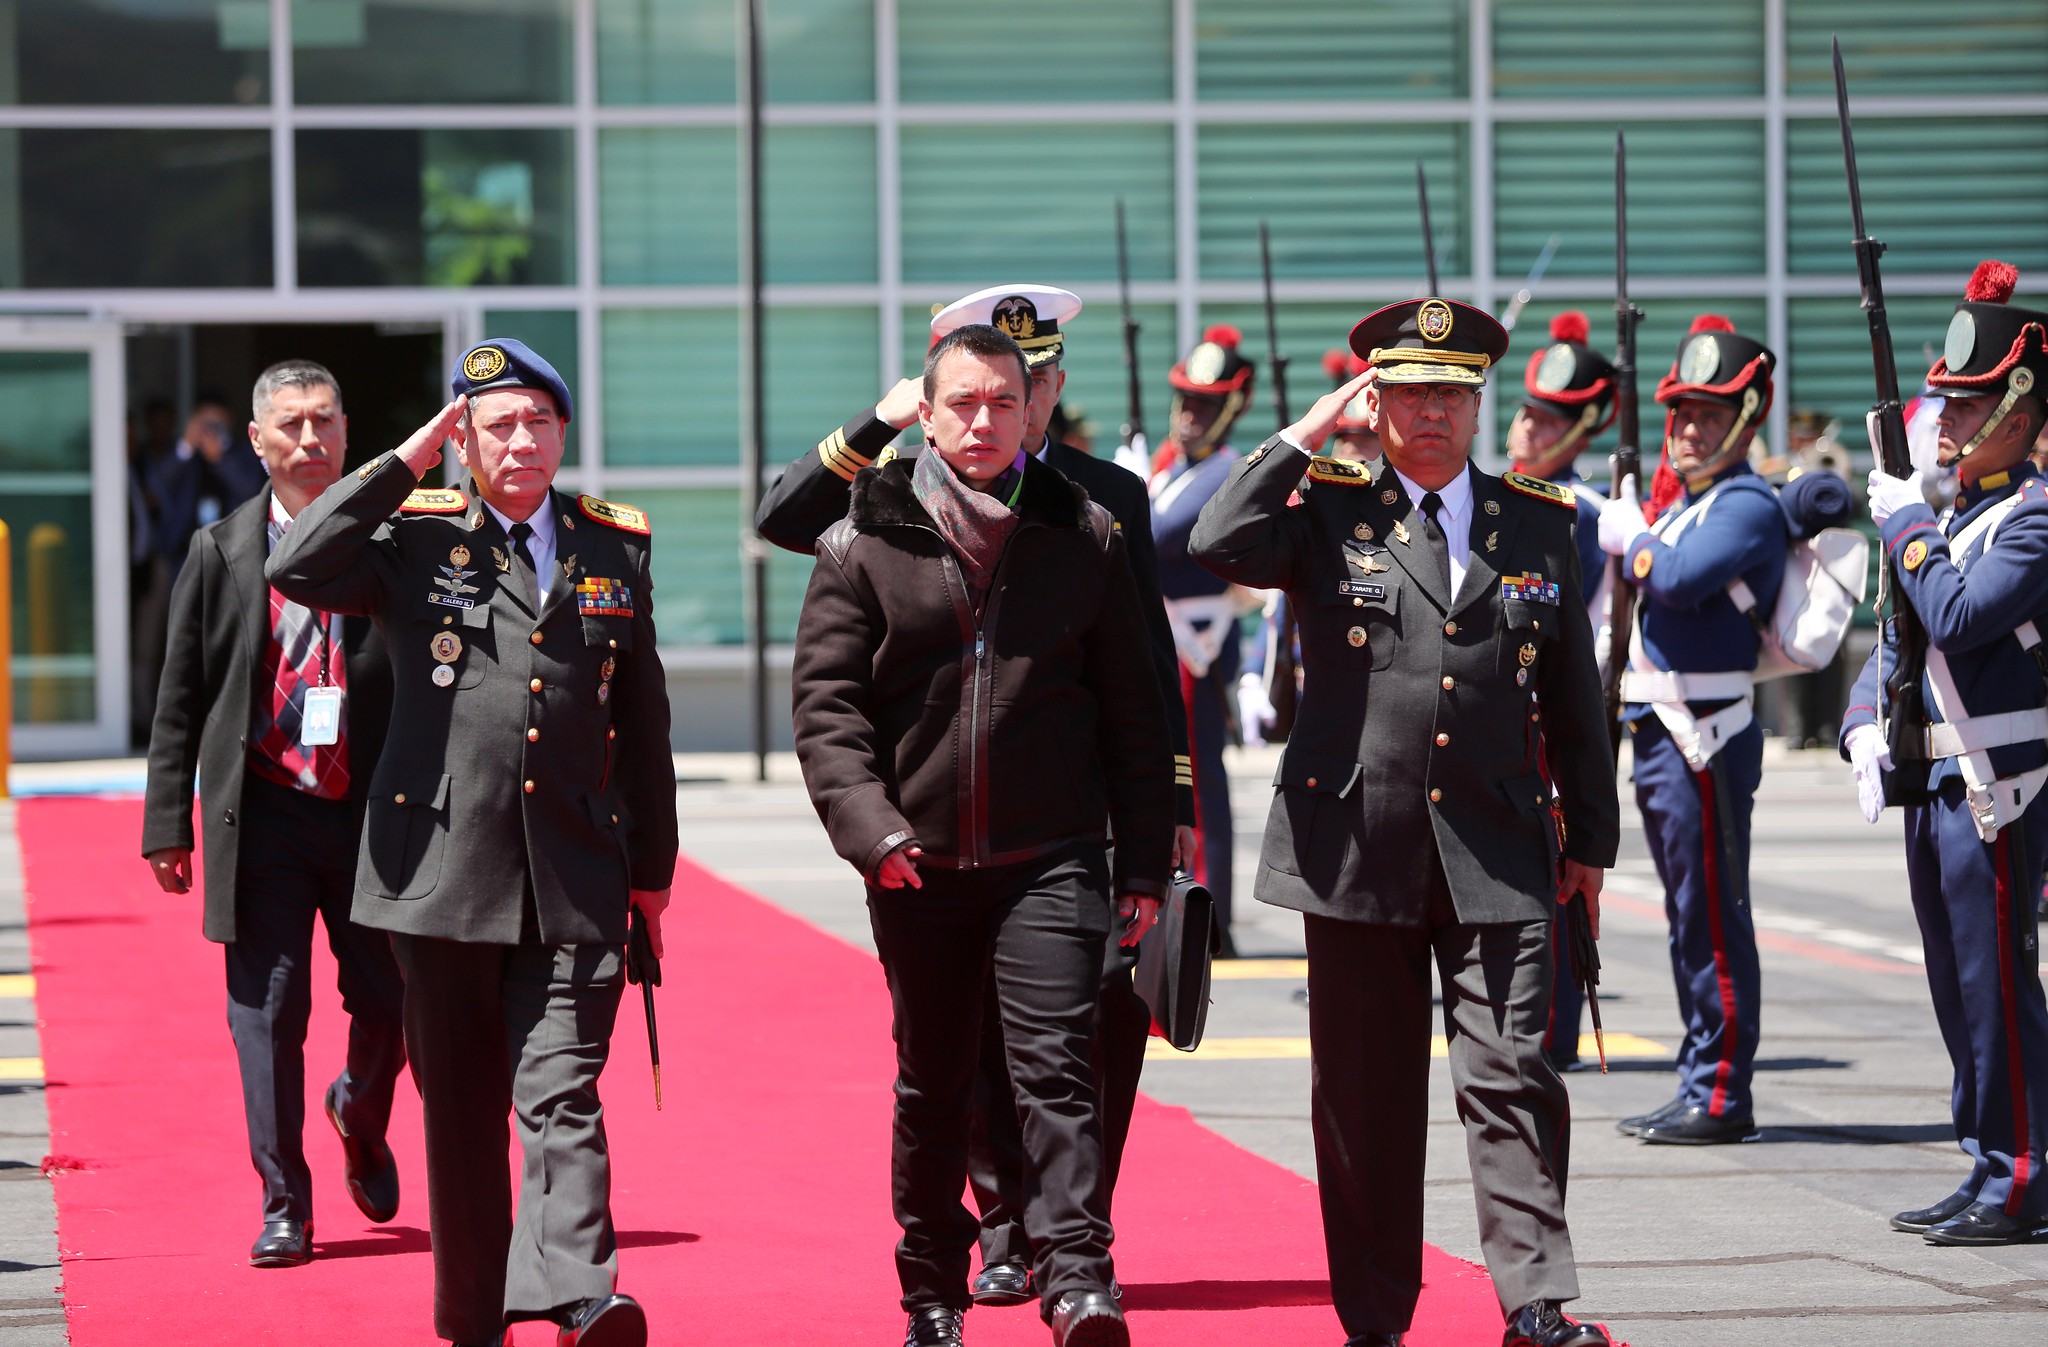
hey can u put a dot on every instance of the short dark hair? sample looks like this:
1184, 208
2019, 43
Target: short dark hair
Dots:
290, 374
975, 339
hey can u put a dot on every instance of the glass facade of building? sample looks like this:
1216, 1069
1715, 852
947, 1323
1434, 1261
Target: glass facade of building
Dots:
567, 171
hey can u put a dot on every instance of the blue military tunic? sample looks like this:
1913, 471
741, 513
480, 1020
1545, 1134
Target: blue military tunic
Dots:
1696, 819
1975, 899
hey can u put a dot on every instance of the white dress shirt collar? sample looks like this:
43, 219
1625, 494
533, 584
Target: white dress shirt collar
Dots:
542, 544
1455, 518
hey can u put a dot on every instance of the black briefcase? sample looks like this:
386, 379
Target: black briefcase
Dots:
1173, 964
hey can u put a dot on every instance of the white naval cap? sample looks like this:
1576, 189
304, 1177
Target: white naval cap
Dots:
1030, 314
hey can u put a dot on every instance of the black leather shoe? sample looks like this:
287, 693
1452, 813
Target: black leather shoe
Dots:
933, 1326
283, 1244
615, 1321
1541, 1324
1918, 1222
1004, 1284
1985, 1223
370, 1167
1088, 1319
1633, 1127
1696, 1127
1373, 1340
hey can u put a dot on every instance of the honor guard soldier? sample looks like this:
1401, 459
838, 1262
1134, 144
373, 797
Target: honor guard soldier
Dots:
1977, 822
810, 496
1567, 399
1211, 389
1689, 700
1445, 652
510, 825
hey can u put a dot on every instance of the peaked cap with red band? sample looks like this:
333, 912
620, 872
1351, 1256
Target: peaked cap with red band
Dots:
1215, 367
1568, 376
1430, 341
1990, 339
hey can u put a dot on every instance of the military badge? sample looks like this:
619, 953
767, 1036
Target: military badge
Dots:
1356, 636
1701, 360
569, 566
1492, 541
610, 666
1527, 654
1493, 507
604, 693
599, 597
1914, 555
1368, 563
451, 581
1555, 373
1433, 320
1363, 533
1206, 362
1359, 590
1962, 339
568, 522
485, 362
1016, 317
458, 555
1389, 496
1641, 567
1401, 532
1521, 678
446, 647
504, 563
444, 675
1529, 587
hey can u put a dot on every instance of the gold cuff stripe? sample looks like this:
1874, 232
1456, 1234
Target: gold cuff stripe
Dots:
839, 457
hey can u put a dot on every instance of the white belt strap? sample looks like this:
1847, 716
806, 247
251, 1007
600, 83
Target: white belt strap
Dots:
1198, 648
1975, 734
1659, 685
1994, 801
1699, 739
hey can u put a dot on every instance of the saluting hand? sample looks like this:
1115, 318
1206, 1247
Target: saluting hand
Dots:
423, 451
1582, 878
172, 867
899, 405
1315, 427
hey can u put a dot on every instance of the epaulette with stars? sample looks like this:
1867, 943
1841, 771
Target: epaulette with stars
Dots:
618, 516
1338, 472
434, 500
1540, 489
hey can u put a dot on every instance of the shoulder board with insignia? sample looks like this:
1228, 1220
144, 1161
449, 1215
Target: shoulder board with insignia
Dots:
435, 500
1540, 489
1338, 472
618, 516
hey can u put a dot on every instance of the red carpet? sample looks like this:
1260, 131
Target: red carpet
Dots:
754, 1210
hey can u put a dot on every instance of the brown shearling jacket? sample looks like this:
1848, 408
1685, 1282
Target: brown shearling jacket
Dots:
986, 738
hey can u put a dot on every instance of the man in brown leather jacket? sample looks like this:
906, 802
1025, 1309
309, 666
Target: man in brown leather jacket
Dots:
974, 697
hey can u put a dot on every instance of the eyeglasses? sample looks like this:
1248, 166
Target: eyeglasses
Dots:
1450, 397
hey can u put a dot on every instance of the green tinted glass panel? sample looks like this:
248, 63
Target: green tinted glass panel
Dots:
1097, 389
1306, 332
812, 51
1039, 52
1665, 323
46, 501
699, 598
1908, 47
432, 51
551, 333
1627, 49
1935, 209
671, 205
1695, 197
1362, 221
435, 207
92, 208
1060, 223
101, 52
671, 382
1375, 49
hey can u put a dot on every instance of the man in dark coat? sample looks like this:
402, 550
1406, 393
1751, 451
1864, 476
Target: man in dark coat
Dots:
810, 496
973, 703
510, 825
279, 711
1446, 652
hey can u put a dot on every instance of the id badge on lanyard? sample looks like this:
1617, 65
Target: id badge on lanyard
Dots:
320, 724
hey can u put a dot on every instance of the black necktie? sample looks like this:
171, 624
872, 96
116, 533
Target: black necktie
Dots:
529, 575
1433, 534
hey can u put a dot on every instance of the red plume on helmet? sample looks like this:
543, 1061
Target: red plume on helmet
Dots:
1993, 344
1224, 335
1571, 325
1712, 322
1992, 283
1215, 367
1334, 363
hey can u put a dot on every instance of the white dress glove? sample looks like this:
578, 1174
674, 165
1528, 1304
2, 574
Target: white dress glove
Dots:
1621, 521
1254, 709
1889, 494
1869, 757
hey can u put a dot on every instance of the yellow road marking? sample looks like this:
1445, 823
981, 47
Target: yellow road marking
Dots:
17, 984
1252, 970
1296, 1049
21, 1068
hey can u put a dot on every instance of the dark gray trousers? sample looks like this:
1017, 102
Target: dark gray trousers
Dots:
297, 862
519, 1030
1369, 1030
1037, 930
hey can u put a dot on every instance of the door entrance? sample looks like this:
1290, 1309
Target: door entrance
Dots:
185, 382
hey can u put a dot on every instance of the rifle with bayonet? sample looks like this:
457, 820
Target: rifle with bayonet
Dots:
1903, 713
1428, 237
1134, 450
1280, 690
1628, 453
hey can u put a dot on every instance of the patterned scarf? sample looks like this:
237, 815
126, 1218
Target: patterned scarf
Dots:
976, 524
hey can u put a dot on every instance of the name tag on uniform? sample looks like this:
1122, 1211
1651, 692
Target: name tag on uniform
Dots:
1362, 589
1530, 587
321, 723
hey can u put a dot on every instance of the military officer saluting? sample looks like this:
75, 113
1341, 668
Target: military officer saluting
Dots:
1715, 555
1444, 648
1567, 399
1977, 831
510, 824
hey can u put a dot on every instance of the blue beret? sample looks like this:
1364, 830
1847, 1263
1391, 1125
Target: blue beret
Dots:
501, 362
